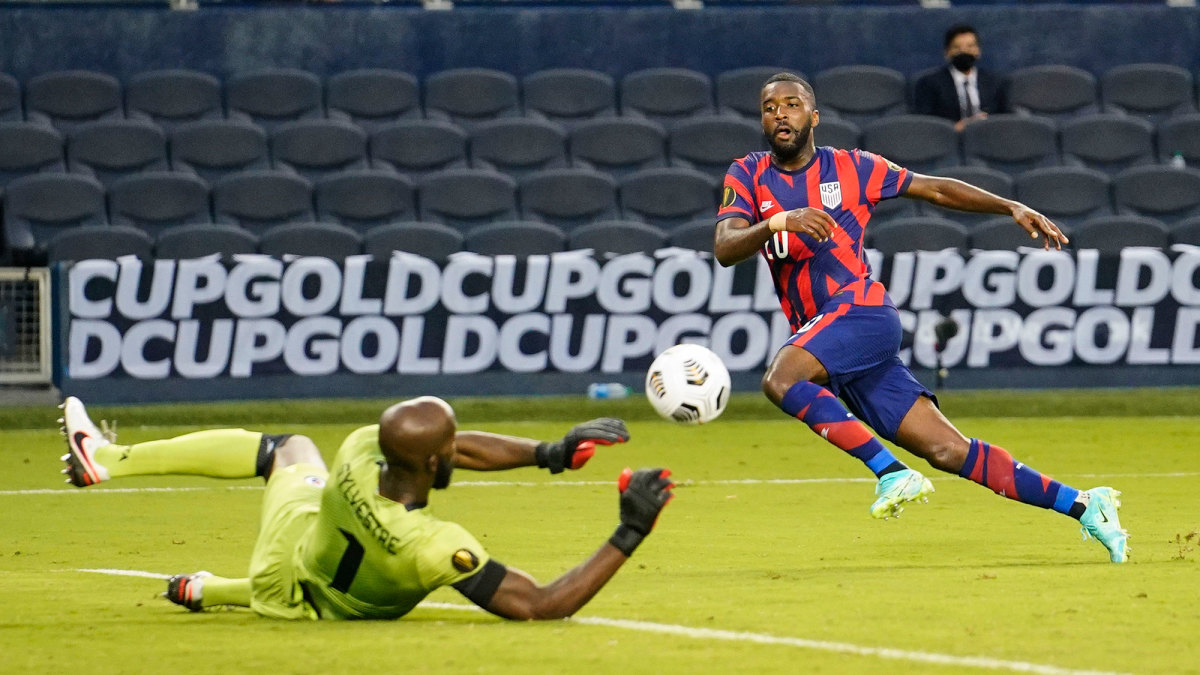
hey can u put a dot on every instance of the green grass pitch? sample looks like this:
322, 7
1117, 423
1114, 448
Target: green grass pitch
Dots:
766, 560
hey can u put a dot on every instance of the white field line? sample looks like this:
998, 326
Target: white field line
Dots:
571, 483
983, 662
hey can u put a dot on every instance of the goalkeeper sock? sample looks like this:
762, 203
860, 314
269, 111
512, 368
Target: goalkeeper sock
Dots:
992, 466
221, 591
817, 407
218, 453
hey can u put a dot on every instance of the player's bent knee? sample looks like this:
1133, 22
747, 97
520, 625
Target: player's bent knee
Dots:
947, 456
297, 449
775, 387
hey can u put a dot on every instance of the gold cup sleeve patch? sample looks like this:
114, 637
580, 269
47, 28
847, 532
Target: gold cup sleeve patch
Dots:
727, 197
464, 561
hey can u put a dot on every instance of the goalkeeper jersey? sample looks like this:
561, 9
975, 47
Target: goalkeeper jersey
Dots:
368, 557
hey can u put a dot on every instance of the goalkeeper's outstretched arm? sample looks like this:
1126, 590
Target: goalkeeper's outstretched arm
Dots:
482, 451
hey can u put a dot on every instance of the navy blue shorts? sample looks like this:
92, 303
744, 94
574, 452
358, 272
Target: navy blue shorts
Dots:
859, 347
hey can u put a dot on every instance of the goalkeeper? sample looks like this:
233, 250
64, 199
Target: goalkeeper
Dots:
358, 542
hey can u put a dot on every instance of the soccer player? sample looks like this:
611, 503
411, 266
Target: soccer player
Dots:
805, 209
358, 543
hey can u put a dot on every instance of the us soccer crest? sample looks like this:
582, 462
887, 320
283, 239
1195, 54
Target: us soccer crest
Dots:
831, 195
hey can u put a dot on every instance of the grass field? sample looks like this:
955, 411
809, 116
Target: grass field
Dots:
766, 560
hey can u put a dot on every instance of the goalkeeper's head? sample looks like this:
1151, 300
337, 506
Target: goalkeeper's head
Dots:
417, 440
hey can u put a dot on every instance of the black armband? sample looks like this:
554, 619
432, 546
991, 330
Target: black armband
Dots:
481, 586
626, 539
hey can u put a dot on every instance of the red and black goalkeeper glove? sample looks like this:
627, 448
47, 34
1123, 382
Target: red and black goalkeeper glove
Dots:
578, 446
644, 494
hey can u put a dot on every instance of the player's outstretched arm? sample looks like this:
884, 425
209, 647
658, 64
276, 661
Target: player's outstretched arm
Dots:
644, 493
482, 451
736, 239
955, 194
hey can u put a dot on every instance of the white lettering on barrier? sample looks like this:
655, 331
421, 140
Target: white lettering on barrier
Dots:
130, 286
1134, 262
328, 285
252, 287
504, 284
81, 276
751, 328
1101, 335
255, 341
1184, 348
352, 301
187, 349
1057, 266
197, 282
512, 333
470, 344
988, 278
133, 349
573, 275
354, 338
311, 347
411, 341
624, 284
404, 271
696, 274
83, 334
454, 296
590, 345
938, 273
627, 336
1047, 336
1087, 272
680, 328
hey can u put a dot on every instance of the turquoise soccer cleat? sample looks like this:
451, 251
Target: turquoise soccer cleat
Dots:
1100, 521
896, 488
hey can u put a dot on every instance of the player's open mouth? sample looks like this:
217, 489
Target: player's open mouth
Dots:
783, 132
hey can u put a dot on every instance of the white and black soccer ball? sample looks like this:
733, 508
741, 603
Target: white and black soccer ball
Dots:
688, 384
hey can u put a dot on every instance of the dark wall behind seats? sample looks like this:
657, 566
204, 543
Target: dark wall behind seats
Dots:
226, 40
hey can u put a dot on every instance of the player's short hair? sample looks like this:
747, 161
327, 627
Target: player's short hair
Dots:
956, 30
792, 77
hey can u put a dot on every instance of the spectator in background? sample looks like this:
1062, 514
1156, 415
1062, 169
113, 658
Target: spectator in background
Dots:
960, 91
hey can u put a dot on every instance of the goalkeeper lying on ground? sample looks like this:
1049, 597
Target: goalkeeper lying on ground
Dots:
358, 543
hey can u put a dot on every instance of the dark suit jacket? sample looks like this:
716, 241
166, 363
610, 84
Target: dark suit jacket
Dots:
934, 94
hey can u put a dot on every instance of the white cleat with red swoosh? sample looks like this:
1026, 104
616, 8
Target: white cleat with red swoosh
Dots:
83, 438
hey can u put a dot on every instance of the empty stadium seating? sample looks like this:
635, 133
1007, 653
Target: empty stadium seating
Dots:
64, 99
861, 94
739, 91
171, 97
666, 95
85, 243
204, 239
311, 239
261, 199
318, 148
520, 238
272, 96
27, 148
470, 95
372, 97
569, 95
519, 145
431, 240
419, 147
365, 198
569, 198
155, 201
213, 149
618, 237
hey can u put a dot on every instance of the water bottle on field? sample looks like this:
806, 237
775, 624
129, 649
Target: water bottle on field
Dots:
607, 390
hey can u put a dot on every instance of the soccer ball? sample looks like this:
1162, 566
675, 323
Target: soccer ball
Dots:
688, 384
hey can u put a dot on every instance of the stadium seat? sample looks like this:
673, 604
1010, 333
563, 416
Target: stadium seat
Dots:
519, 238
568, 198
920, 233
156, 200
318, 148
1151, 91
108, 243
861, 94
261, 199
1161, 192
419, 147
696, 235
213, 149
324, 240
739, 91
619, 146
896, 208
430, 240
518, 146
272, 96
468, 96
1110, 234
28, 148
1109, 142
1186, 231
666, 95
1002, 233
203, 239
171, 97
837, 133
921, 143
65, 99
668, 197
569, 95
1180, 136
363, 199
373, 97
464, 198
618, 237
1068, 195
994, 181
39, 206
1053, 91
1011, 143
710, 143
11, 108
112, 149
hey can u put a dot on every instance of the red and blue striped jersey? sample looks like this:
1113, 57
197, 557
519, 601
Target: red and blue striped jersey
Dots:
847, 184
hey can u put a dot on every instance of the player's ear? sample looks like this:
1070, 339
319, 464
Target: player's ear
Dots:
816, 117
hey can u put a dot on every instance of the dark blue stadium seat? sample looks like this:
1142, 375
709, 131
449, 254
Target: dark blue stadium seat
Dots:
11, 108
213, 149
429, 240
28, 148
921, 143
1110, 234
318, 148
464, 198
618, 237
710, 143
920, 233
109, 150
666, 95
364, 199
1180, 136
519, 238
569, 198
1054, 91
468, 96
993, 180
1002, 233
65, 99
739, 91
696, 235
1109, 142
1150, 91
1011, 143
419, 147
156, 200
1162, 192
273, 96
373, 97
203, 239
569, 95
1068, 195
619, 146
1186, 231
172, 97
837, 133
668, 197
518, 146
261, 199
887, 210
90, 243
861, 93
324, 240
39, 206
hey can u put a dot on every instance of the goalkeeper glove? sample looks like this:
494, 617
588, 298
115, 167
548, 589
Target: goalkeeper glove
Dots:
578, 446
644, 493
